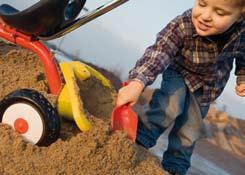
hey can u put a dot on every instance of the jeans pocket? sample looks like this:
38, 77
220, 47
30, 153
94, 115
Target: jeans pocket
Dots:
171, 81
170, 73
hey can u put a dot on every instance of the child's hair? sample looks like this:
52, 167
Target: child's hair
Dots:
240, 3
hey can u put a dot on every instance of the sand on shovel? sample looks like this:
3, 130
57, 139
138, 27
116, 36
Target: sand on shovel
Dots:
98, 151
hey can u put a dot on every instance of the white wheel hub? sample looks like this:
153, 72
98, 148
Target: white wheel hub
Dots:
26, 120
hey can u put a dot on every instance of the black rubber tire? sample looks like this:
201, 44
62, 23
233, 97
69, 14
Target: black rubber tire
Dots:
50, 118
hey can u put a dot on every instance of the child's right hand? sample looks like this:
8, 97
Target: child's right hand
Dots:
130, 93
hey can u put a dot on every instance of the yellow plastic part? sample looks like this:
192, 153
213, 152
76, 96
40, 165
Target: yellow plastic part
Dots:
70, 94
64, 105
80, 70
98, 75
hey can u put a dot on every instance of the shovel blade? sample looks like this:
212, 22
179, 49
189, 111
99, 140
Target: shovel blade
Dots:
124, 118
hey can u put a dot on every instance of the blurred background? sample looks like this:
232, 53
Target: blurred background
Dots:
117, 39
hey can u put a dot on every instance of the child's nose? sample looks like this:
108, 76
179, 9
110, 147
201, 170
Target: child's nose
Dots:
206, 16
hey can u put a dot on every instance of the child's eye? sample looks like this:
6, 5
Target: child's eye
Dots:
201, 3
220, 13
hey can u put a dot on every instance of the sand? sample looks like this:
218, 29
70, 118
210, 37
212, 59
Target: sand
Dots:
97, 151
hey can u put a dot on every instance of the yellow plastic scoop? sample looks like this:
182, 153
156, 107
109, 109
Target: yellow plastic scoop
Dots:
70, 98
70, 104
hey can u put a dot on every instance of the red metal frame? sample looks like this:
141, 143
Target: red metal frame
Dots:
43, 53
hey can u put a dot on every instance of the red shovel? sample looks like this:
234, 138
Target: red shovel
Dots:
124, 118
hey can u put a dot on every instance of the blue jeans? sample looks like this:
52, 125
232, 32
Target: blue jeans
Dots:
173, 103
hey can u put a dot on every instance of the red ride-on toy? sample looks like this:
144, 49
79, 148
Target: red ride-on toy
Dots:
27, 111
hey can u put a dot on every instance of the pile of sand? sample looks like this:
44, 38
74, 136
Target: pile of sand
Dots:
98, 151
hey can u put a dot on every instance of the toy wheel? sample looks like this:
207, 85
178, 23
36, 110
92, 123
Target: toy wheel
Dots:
31, 115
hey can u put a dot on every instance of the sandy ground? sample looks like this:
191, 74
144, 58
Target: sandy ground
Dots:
98, 151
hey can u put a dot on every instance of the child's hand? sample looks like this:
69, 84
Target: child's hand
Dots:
130, 93
240, 90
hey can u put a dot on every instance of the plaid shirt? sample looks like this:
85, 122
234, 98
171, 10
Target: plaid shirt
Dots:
197, 58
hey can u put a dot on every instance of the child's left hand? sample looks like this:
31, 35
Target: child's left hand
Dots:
240, 90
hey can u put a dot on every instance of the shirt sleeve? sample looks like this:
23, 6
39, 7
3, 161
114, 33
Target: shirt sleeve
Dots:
158, 56
240, 68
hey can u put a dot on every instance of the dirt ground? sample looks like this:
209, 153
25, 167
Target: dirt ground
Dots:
98, 151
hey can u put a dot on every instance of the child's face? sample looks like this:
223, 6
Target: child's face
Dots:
211, 17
